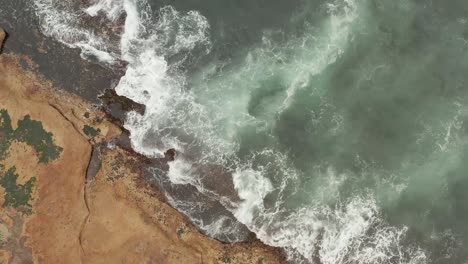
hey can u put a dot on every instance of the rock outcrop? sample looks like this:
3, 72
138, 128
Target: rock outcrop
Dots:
114, 216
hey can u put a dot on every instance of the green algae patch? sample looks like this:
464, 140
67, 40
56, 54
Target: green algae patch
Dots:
91, 131
17, 195
32, 133
6, 133
5, 122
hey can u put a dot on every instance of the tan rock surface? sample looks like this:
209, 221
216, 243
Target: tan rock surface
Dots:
115, 218
59, 208
2, 37
154, 232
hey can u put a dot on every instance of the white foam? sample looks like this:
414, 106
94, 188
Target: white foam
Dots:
88, 51
59, 22
353, 232
180, 172
330, 45
221, 227
252, 188
113, 9
147, 81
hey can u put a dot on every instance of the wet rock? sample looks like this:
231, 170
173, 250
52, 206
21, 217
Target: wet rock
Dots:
116, 106
217, 179
170, 154
95, 161
123, 141
189, 201
72, 74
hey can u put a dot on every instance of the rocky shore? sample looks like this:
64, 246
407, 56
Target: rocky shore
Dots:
70, 194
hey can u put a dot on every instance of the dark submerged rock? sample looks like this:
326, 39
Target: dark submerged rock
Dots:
170, 154
95, 161
116, 106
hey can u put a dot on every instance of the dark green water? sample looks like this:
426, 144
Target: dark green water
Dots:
370, 92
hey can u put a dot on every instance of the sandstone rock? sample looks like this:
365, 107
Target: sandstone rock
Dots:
116, 217
2, 38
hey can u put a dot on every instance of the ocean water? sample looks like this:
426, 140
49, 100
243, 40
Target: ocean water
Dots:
334, 129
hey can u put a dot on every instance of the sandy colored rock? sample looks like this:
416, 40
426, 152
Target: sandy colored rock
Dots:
59, 208
114, 218
2, 38
154, 232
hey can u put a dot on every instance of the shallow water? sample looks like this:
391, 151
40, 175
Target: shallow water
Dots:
334, 129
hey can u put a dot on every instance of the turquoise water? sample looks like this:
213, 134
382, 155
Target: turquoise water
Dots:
334, 129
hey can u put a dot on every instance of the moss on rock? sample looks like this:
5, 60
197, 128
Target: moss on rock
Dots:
6, 133
91, 131
32, 133
17, 195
